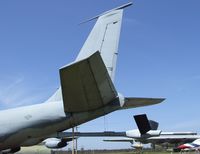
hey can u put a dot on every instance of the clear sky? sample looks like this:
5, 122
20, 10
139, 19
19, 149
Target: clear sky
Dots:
159, 56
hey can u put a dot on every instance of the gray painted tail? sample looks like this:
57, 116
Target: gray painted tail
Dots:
104, 38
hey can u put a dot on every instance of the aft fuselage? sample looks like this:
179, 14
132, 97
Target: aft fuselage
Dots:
26, 126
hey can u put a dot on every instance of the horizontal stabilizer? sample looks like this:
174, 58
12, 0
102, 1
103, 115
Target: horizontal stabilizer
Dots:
86, 85
132, 102
154, 125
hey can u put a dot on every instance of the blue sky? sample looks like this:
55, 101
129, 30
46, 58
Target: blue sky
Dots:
158, 57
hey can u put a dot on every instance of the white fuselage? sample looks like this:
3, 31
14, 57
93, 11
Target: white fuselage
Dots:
29, 125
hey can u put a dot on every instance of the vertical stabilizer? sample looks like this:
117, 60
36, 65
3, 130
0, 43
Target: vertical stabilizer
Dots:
145, 125
142, 123
104, 38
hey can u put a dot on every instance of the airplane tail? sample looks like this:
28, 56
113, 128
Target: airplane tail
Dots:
142, 123
104, 38
145, 125
87, 83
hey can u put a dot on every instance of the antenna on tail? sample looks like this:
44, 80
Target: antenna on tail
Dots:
117, 8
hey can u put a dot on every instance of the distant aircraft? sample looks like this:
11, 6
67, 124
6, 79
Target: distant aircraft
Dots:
146, 133
195, 145
153, 138
87, 92
163, 137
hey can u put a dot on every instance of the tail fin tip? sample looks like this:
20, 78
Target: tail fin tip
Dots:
97, 16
